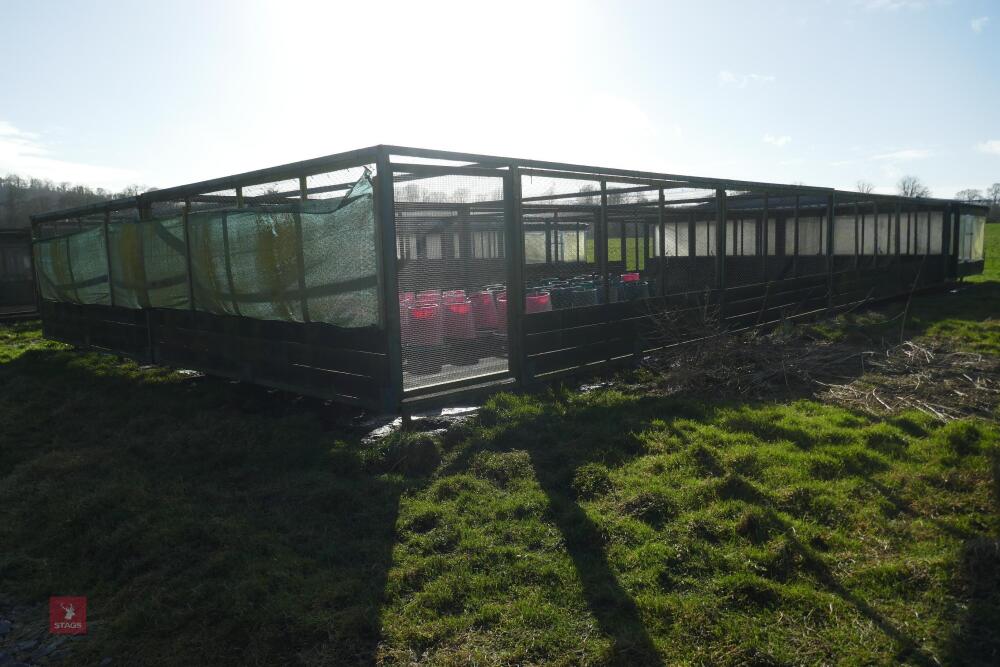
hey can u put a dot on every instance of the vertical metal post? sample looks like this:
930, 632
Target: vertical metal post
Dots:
897, 259
645, 244
912, 240
795, 239
897, 249
300, 253
514, 251
560, 250
602, 257
35, 283
228, 263
855, 233
146, 213
945, 246
185, 219
660, 215
107, 256
762, 242
861, 240
239, 197
875, 233
831, 219
720, 248
693, 240
386, 267
955, 246
548, 243
605, 278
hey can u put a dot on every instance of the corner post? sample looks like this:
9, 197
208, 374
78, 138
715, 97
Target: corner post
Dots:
385, 226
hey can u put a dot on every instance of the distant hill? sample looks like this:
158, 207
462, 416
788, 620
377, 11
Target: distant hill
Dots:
22, 197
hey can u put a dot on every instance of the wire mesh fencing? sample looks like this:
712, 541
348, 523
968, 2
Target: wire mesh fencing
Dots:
450, 253
292, 276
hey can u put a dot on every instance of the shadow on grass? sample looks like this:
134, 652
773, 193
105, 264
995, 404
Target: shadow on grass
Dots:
208, 522
582, 436
957, 313
587, 438
976, 640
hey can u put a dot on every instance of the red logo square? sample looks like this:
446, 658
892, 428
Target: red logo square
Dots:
68, 615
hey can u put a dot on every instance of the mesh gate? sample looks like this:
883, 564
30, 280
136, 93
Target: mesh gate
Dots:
451, 266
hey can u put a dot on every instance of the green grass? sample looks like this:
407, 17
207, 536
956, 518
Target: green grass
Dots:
992, 250
213, 523
967, 316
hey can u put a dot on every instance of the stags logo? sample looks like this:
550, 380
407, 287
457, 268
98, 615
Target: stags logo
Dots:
68, 615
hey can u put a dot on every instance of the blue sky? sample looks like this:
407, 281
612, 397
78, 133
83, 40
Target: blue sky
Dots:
820, 92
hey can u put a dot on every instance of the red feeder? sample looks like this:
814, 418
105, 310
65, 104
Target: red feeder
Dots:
484, 310
458, 321
405, 301
537, 302
426, 325
502, 311
630, 277
429, 296
453, 296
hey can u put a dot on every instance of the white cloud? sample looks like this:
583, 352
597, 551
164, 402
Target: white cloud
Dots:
979, 24
727, 78
992, 146
23, 153
905, 154
778, 141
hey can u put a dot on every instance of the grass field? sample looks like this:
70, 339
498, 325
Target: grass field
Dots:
214, 523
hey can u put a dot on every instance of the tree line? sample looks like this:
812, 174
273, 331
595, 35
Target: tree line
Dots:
912, 186
21, 197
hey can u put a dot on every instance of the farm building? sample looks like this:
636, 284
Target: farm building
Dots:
390, 277
16, 290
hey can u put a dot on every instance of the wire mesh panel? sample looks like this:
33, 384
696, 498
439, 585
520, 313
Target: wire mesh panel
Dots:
451, 267
689, 241
560, 219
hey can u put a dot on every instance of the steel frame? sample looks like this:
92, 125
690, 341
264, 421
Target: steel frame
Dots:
756, 201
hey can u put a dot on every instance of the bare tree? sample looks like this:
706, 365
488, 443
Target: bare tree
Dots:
911, 186
993, 194
969, 194
865, 187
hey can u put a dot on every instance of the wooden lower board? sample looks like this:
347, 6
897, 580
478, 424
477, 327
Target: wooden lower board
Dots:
308, 361
560, 341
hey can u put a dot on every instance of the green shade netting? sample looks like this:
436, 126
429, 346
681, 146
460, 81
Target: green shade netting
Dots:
262, 278
244, 261
73, 268
149, 264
